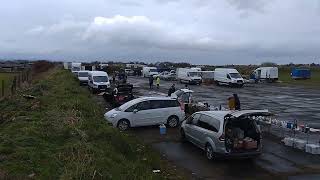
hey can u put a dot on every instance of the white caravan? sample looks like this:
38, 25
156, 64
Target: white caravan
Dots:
228, 76
190, 76
149, 71
98, 81
265, 73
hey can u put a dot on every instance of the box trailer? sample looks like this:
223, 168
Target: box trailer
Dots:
265, 73
300, 73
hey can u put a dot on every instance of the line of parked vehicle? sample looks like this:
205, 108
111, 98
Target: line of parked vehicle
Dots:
221, 76
218, 133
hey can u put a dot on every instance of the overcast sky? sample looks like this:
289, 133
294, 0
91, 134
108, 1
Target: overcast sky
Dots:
195, 31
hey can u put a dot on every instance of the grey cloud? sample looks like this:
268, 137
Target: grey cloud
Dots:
249, 5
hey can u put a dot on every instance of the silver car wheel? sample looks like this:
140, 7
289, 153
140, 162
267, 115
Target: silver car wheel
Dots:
209, 152
123, 125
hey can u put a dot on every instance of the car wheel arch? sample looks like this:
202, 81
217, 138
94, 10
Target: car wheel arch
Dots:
211, 143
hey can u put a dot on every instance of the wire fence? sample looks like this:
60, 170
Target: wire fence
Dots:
10, 82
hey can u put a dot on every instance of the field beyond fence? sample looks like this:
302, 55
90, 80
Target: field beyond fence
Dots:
11, 81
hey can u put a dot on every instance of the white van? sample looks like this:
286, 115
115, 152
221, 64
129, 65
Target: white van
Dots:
149, 71
265, 73
75, 67
190, 76
83, 77
98, 81
228, 76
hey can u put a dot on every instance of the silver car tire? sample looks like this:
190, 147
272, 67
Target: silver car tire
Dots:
209, 152
173, 121
123, 125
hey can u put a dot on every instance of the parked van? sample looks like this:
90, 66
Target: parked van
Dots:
265, 73
190, 76
225, 133
149, 71
83, 77
98, 81
228, 76
75, 67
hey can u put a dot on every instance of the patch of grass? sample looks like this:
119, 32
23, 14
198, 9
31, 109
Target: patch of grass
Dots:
284, 76
62, 134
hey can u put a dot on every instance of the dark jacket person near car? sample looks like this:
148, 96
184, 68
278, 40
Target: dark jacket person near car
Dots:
172, 89
237, 102
151, 82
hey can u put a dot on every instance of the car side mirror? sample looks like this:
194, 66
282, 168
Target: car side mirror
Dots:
228, 77
135, 110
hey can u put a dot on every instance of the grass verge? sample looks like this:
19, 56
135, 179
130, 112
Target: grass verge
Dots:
62, 134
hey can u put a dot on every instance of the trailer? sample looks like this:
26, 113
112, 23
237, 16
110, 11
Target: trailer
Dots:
269, 74
300, 73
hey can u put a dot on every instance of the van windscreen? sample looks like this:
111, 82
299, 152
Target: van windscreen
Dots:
153, 70
235, 75
194, 74
83, 74
100, 78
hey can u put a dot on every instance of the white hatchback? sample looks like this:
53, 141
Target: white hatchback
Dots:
146, 111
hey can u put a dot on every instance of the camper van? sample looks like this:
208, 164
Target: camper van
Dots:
228, 76
98, 81
265, 73
149, 71
190, 76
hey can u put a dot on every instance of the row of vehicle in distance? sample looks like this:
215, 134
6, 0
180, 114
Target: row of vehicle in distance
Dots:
221, 76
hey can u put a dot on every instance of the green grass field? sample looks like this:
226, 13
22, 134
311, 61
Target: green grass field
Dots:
284, 76
62, 135
7, 77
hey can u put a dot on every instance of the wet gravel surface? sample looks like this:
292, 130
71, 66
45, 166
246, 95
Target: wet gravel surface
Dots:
277, 161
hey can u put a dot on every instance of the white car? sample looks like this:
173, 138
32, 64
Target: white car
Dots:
146, 111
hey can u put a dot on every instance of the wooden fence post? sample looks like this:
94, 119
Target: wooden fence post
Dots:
2, 88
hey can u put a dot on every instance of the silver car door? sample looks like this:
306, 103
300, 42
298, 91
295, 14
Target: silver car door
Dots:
192, 131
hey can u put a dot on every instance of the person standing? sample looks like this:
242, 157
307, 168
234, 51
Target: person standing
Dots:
158, 82
172, 89
237, 102
151, 82
231, 103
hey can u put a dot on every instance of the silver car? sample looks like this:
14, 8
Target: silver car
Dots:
146, 111
225, 133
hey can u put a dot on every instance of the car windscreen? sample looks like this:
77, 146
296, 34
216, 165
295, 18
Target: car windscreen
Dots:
83, 74
178, 93
153, 70
194, 74
100, 78
235, 75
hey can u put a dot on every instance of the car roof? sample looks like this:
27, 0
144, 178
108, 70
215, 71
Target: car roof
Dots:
140, 99
186, 90
98, 73
221, 114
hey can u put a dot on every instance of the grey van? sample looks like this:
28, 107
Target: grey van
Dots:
225, 133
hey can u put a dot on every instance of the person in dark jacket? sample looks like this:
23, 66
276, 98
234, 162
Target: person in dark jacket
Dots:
151, 82
171, 90
237, 102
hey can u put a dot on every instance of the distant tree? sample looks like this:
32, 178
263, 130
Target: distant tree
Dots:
265, 64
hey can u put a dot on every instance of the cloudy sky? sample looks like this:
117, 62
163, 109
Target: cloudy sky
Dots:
195, 31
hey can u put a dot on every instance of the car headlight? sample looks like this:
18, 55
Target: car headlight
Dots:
113, 115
